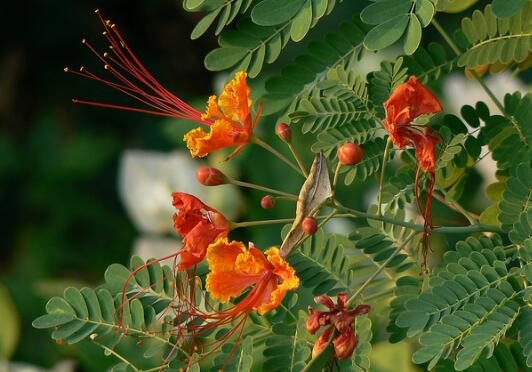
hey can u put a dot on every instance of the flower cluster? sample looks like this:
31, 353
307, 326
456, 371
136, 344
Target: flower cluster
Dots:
339, 322
253, 280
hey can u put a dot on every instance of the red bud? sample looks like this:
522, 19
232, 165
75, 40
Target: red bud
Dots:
284, 132
267, 202
310, 225
350, 154
210, 176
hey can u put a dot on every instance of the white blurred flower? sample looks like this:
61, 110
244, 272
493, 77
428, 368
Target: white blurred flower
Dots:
460, 91
148, 178
147, 247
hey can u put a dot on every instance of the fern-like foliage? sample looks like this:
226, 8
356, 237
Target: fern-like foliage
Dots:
525, 333
370, 163
471, 303
497, 40
319, 114
510, 139
360, 132
322, 265
406, 288
399, 191
260, 39
287, 349
515, 205
297, 79
384, 81
431, 63
233, 357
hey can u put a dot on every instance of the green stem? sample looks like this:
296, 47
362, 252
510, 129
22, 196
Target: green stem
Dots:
456, 206
385, 157
419, 228
336, 174
378, 271
237, 225
119, 356
262, 188
298, 159
270, 149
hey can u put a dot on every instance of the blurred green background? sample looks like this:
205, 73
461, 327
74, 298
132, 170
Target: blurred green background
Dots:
64, 216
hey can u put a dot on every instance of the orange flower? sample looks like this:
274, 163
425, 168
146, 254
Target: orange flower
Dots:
199, 224
235, 268
232, 124
340, 325
408, 101
229, 119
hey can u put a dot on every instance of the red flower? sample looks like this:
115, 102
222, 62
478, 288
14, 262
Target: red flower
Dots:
340, 325
407, 102
199, 225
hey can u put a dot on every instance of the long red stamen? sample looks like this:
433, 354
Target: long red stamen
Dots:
134, 80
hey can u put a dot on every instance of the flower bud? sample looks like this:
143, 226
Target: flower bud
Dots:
309, 225
210, 176
350, 154
284, 132
267, 202
322, 342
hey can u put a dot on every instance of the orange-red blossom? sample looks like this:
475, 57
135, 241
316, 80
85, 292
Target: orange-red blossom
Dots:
199, 225
407, 102
227, 119
339, 323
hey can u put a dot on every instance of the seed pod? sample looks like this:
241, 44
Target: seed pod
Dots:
267, 202
350, 154
210, 176
310, 225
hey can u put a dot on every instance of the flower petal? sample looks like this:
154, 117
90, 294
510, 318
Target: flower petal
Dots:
234, 100
222, 134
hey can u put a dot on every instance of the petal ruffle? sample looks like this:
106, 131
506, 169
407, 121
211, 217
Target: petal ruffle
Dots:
222, 134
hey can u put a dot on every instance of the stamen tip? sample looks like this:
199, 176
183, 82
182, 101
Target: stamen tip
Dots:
106, 67
97, 11
66, 69
74, 100
104, 33
105, 54
83, 41
81, 68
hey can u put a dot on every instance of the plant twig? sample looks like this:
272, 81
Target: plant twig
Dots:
116, 354
270, 149
419, 228
262, 188
298, 159
378, 271
385, 157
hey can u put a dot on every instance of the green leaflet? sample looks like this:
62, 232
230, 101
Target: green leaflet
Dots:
238, 358
250, 45
525, 333
322, 265
224, 11
336, 49
395, 19
507, 8
431, 63
497, 40
287, 348
515, 216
